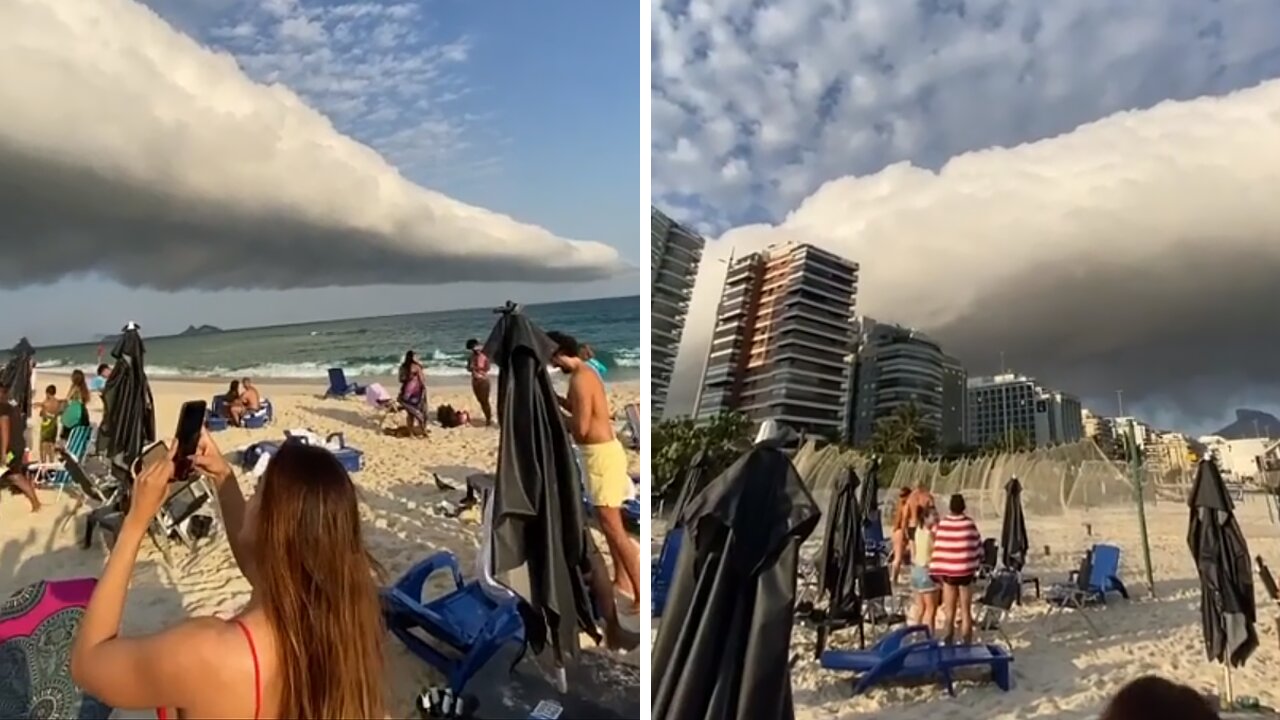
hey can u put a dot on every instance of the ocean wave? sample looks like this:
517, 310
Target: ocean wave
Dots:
436, 362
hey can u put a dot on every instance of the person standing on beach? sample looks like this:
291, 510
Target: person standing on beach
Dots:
13, 449
957, 555
478, 367
898, 536
413, 394
608, 483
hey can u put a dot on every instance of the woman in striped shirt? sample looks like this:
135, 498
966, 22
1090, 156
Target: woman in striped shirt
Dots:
957, 554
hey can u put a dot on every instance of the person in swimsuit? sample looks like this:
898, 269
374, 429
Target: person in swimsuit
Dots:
13, 449
898, 538
308, 644
413, 394
233, 406
250, 396
608, 483
50, 411
478, 366
75, 412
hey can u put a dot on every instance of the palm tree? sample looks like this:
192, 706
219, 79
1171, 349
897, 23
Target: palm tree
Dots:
1016, 440
903, 433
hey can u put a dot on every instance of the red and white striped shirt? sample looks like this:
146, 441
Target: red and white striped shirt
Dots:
957, 547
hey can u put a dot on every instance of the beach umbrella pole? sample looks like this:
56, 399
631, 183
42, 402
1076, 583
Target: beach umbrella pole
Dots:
1135, 469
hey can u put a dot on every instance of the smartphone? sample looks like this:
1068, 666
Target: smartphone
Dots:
154, 453
190, 421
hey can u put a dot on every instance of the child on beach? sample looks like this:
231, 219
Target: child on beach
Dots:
50, 409
923, 586
957, 555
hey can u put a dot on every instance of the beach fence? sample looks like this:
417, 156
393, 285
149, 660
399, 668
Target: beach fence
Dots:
1060, 480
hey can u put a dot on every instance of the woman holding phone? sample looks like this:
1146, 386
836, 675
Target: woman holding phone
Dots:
308, 643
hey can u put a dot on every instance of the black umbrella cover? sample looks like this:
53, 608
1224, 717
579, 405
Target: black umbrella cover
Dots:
869, 498
129, 420
1228, 612
722, 650
538, 516
694, 480
16, 375
843, 554
1014, 543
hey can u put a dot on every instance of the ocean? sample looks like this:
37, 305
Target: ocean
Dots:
370, 347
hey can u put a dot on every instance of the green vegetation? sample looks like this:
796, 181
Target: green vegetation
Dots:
676, 442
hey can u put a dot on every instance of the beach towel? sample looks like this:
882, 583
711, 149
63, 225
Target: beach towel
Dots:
37, 626
413, 397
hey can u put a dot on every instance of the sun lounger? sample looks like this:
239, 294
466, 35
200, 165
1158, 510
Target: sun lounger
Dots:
457, 633
338, 385
37, 626
52, 475
864, 660
352, 459
664, 569
931, 659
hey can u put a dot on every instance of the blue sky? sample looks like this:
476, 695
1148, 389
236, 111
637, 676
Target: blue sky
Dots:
527, 109
1013, 177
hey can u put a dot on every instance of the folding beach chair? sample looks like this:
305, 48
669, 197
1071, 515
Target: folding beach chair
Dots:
928, 659
632, 412
179, 517
664, 569
338, 385
54, 474
1098, 577
997, 601
457, 633
990, 558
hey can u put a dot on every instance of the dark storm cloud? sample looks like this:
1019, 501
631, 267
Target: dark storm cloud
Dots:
1140, 252
128, 150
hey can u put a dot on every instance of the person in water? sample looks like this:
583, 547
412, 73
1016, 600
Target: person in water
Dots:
13, 450
478, 367
413, 394
608, 483
309, 642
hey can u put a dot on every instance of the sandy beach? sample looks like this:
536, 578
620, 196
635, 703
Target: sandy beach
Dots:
1060, 669
403, 521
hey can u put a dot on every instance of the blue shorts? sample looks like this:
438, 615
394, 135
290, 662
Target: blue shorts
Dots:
921, 582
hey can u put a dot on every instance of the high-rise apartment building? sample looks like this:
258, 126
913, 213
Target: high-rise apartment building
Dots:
895, 366
1009, 404
675, 254
783, 334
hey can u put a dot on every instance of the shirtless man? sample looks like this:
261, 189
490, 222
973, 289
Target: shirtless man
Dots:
608, 484
249, 396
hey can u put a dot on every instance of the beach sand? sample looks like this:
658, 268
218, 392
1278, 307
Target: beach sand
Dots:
399, 506
1060, 669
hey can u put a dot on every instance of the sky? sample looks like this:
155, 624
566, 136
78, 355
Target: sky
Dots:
253, 162
1083, 188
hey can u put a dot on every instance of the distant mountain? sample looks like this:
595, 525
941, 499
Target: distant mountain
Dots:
202, 330
1251, 424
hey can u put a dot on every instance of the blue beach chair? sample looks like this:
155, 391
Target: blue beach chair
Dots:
929, 659
54, 475
338, 385
1097, 578
256, 420
860, 661
664, 569
469, 621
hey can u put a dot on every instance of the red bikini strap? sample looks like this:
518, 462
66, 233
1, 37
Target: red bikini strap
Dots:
257, 672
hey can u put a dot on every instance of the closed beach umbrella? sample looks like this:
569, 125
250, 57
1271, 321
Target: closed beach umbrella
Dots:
694, 480
16, 374
537, 502
1227, 609
1013, 533
722, 650
843, 554
129, 420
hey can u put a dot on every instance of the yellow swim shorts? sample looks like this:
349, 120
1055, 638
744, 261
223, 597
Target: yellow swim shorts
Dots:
608, 483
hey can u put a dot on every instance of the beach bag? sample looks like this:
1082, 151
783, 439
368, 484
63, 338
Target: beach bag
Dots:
447, 416
73, 415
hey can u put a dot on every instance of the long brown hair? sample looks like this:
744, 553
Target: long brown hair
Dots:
319, 587
78, 383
